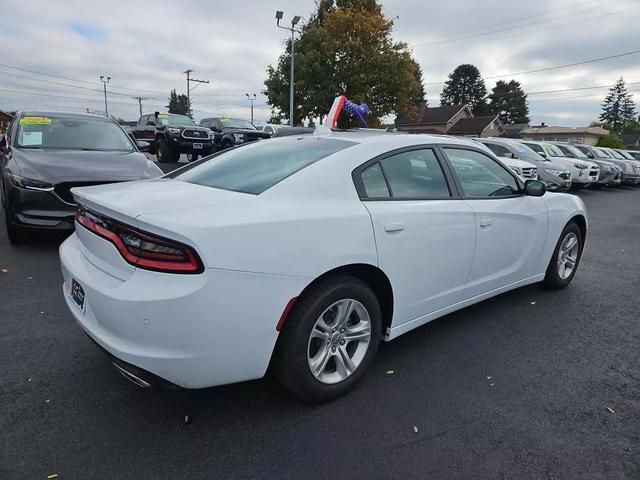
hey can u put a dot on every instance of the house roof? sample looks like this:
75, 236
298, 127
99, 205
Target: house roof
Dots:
470, 125
432, 115
553, 130
630, 138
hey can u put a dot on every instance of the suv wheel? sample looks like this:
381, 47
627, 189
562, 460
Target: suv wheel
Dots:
15, 234
329, 340
192, 157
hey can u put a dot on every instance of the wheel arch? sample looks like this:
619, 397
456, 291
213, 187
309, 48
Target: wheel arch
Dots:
375, 278
581, 221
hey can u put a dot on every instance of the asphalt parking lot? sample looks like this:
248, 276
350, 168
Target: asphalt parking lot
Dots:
531, 384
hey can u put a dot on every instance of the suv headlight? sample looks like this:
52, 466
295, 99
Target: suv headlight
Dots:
581, 166
175, 131
30, 184
551, 171
517, 170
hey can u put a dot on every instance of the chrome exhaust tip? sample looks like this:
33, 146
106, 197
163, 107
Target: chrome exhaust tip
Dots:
131, 377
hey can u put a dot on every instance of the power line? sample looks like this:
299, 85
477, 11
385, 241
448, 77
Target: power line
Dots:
561, 99
537, 30
519, 19
578, 88
555, 67
481, 34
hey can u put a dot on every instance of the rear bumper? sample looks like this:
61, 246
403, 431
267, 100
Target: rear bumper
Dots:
193, 331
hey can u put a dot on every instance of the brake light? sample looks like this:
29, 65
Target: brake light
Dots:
142, 249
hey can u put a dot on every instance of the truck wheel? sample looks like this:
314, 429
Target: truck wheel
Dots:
163, 151
192, 157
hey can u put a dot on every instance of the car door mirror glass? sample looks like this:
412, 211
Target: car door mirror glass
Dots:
534, 188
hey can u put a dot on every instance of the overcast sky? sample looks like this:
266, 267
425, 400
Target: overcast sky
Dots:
146, 45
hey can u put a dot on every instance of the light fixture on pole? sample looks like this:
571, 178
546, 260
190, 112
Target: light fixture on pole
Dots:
251, 98
104, 83
293, 30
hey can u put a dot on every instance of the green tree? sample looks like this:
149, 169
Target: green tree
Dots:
178, 104
346, 48
612, 141
509, 101
618, 108
465, 86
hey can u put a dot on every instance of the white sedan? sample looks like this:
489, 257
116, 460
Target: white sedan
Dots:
302, 253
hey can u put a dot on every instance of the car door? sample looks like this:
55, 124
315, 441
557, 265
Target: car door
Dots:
424, 232
511, 227
149, 131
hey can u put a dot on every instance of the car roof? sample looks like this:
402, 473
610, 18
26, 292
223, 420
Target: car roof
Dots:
372, 136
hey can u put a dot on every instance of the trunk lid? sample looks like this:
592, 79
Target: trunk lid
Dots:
126, 202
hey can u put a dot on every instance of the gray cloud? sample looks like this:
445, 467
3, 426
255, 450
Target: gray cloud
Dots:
144, 46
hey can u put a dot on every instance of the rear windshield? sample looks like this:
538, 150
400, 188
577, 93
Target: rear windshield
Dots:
71, 133
256, 168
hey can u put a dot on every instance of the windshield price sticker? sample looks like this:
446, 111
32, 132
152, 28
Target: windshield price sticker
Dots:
35, 121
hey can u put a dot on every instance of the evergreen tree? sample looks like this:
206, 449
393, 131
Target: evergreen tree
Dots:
178, 104
509, 102
618, 109
465, 86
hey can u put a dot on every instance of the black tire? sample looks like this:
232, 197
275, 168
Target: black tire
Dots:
192, 157
15, 234
227, 144
164, 153
553, 279
290, 360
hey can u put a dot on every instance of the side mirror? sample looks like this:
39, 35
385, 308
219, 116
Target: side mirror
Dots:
534, 188
143, 146
543, 154
3, 142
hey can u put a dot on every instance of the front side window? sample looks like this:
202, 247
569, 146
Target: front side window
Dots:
536, 148
499, 150
256, 168
480, 175
71, 133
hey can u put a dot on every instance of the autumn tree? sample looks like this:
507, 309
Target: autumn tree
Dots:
346, 48
465, 86
618, 109
509, 102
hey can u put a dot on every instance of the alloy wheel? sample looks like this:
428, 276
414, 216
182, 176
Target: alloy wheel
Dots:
339, 341
568, 255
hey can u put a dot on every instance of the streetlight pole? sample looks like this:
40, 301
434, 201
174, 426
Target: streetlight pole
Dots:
251, 99
293, 30
104, 83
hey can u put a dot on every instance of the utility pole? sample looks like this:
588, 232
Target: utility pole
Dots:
189, 81
251, 99
140, 99
104, 83
292, 29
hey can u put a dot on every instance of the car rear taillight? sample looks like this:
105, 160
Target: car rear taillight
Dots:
142, 249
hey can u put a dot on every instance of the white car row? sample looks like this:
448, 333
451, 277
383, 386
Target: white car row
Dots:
300, 254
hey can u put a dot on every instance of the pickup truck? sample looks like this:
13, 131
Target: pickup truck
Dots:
170, 135
229, 132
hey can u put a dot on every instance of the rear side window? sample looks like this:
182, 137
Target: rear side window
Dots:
256, 168
414, 174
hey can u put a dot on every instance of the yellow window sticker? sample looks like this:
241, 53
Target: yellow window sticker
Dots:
35, 121
163, 115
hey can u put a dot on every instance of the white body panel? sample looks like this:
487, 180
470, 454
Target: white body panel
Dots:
260, 251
